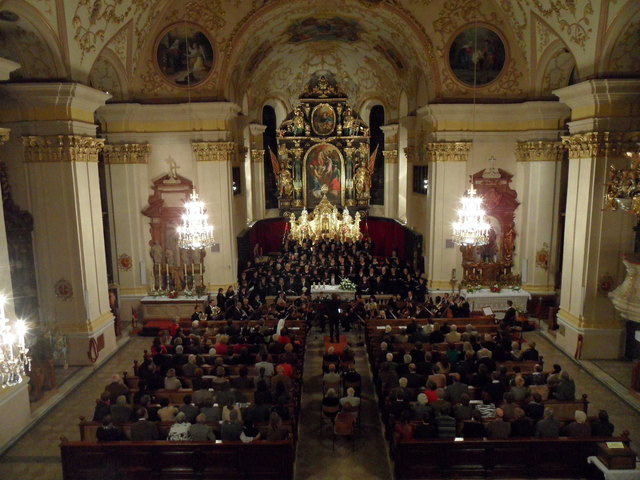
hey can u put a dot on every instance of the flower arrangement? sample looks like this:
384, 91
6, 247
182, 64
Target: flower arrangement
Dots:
172, 294
495, 288
348, 285
200, 290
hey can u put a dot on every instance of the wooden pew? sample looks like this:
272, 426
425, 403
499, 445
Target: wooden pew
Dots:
177, 460
523, 458
565, 410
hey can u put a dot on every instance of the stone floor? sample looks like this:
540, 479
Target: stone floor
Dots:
36, 455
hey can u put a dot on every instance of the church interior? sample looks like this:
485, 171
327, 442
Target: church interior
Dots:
114, 113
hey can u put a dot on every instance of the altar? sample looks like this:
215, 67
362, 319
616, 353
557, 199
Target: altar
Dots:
163, 307
325, 291
496, 300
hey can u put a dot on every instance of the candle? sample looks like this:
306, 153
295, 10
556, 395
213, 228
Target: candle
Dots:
192, 269
167, 265
185, 270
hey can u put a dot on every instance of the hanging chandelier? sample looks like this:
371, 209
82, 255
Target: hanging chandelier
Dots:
325, 223
472, 228
195, 232
14, 361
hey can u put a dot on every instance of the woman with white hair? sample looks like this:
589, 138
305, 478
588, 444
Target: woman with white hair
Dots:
579, 427
350, 398
171, 382
179, 431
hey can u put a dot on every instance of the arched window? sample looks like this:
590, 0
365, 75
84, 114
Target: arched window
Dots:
270, 145
376, 120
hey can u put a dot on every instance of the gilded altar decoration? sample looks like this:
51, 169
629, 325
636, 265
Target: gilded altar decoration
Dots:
477, 56
623, 186
542, 256
184, 55
323, 143
63, 289
124, 262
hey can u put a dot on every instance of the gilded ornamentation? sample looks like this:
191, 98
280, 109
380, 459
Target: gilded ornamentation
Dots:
447, 151
214, 151
4, 135
568, 17
595, 144
390, 156
623, 186
91, 20
104, 77
124, 262
127, 153
540, 151
61, 148
257, 155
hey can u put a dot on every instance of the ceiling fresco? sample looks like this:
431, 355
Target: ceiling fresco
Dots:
268, 49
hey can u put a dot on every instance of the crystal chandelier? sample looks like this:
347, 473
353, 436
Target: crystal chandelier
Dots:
195, 232
325, 224
14, 361
472, 228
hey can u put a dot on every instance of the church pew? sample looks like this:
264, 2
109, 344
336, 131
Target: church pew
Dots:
177, 460
563, 409
176, 397
529, 457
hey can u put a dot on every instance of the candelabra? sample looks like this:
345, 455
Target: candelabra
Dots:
14, 361
471, 228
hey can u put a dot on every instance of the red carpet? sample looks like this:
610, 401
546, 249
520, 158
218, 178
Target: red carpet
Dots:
151, 328
338, 347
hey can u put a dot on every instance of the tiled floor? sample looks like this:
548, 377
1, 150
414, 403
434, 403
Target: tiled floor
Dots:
36, 455
620, 370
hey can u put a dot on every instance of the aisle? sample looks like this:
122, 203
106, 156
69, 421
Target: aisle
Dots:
315, 458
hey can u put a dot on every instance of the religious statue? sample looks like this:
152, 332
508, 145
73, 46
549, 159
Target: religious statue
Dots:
362, 180
347, 122
284, 178
298, 123
156, 253
170, 255
508, 245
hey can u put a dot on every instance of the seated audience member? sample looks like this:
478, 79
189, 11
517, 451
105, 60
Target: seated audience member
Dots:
189, 409
440, 403
445, 424
496, 388
353, 377
508, 407
200, 431
171, 382
269, 370
276, 432
534, 409
454, 392
425, 429
422, 408
231, 429
249, 432
538, 377
431, 392
261, 377
143, 430
331, 400
521, 426
473, 428
403, 430
415, 380
519, 391
258, 411
487, 408
566, 389
549, 426
351, 398
453, 336
282, 409
121, 412
331, 376
280, 377
189, 368
166, 413
116, 388
108, 432
579, 427
179, 431
463, 410
330, 358
102, 407
530, 353
225, 395
212, 414
602, 427
498, 428
229, 407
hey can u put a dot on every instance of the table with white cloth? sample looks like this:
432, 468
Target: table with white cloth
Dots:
325, 291
496, 300
614, 474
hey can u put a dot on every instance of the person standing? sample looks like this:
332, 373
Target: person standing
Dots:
333, 312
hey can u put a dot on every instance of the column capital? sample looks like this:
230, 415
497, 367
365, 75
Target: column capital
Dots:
447, 151
4, 135
256, 129
412, 154
61, 148
214, 151
539, 151
257, 155
390, 156
596, 144
127, 153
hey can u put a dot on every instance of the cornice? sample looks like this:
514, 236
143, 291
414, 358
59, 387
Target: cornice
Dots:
61, 148
214, 151
447, 151
600, 144
539, 151
127, 153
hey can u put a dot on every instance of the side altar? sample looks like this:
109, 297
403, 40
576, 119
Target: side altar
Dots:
165, 308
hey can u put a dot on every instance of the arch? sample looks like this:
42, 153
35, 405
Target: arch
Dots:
112, 60
554, 68
620, 41
367, 105
403, 104
279, 107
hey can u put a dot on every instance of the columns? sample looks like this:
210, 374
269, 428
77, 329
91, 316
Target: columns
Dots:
447, 182
6, 287
391, 185
539, 166
214, 168
257, 171
64, 190
126, 172
605, 123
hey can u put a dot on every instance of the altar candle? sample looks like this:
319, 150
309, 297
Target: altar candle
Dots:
185, 270
192, 269
167, 265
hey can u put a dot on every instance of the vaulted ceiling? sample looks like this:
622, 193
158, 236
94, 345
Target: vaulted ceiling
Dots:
265, 50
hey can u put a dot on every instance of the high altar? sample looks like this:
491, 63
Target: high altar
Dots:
323, 142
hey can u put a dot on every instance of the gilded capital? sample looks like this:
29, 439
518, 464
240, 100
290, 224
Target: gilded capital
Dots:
597, 144
61, 148
127, 153
214, 151
447, 151
412, 154
540, 151
257, 155
390, 156
4, 135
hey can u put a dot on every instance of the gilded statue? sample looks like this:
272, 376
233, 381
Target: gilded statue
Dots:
298, 123
347, 122
284, 178
362, 181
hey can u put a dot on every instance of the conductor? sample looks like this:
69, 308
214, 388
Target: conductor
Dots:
333, 312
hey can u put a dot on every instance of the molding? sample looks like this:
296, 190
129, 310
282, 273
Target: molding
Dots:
61, 148
214, 151
539, 151
134, 291
127, 153
440, 285
600, 144
539, 289
447, 151
99, 324
582, 324
4, 135
390, 156
6, 67
257, 129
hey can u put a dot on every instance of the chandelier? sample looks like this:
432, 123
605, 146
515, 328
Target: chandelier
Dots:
325, 223
13, 350
472, 228
195, 232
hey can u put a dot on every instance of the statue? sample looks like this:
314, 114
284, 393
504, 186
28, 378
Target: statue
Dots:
298, 123
508, 245
347, 122
362, 181
156, 253
170, 255
285, 184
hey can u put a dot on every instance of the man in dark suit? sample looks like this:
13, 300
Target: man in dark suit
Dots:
333, 312
143, 429
510, 314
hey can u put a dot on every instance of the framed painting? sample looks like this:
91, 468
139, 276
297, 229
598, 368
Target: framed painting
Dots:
323, 165
323, 119
477, 52
184, 55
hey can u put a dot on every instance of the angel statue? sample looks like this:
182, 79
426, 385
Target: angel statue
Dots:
284, 179
362, 177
